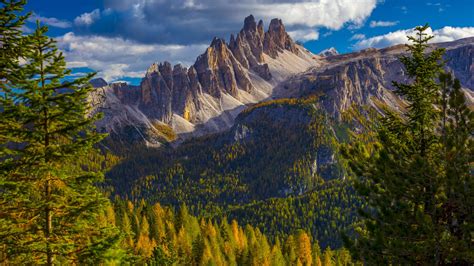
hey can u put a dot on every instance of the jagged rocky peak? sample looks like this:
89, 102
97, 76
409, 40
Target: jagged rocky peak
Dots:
248, 45
98, 83
219, 71
277, 39
223, 79
153, 68
329, 52
250, 24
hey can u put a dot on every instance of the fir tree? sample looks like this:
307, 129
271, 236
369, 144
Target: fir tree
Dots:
12, 40
405, 176
49, 203
457, 215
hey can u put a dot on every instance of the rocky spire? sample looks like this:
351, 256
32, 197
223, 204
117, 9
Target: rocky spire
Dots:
247, 47
250, 24
277, 39
223, 68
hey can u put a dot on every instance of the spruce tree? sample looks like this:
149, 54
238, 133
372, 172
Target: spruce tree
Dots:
12, 40
457, 216
49, 204
406, 174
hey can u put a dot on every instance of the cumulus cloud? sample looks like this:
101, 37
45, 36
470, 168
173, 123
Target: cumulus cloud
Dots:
87, 19
125, 36
115, 57
53, 22
445, 34
304, 35
197, 21
357, 36
374, 24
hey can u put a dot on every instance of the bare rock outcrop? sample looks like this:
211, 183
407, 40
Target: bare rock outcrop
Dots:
277, 39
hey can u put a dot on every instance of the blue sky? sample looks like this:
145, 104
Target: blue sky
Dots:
121, 38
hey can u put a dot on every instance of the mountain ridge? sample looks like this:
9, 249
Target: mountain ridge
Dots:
224, 79
256, 66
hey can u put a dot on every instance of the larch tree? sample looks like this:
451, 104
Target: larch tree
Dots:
50, 206
416, 178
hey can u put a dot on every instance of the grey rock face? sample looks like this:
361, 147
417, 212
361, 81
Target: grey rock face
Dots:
250, 68
223, 68
247, 47
98, 83
365, 77
277, 39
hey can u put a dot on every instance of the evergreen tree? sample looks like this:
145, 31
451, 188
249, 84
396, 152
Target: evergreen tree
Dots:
457, 215
12, 40
406, 177
49, 204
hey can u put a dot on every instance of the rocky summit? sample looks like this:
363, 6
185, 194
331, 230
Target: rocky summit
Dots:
207, 96
254, 66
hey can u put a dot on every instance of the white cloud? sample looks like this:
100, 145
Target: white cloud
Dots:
53, 22
115, 58
448, 33
445, 34
357, 36
323, 13
87, 19
198, 21
374, 23
304, 35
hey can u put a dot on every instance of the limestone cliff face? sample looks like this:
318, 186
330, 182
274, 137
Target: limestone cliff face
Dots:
277, 39
209, 94
233, 69
461, 61
219, 71
364, 77
224, 78
257, 66
247, 47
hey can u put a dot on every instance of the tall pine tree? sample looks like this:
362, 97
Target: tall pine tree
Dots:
11, 39
49, 206
408, 177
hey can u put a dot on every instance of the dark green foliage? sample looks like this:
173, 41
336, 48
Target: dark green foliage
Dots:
326, 212
165, 237
415, 214
50, 210
279, 149
12, 42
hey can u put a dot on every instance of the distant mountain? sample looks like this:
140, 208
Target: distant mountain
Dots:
98, 83
255, 66
250, 130
365, 77
209, 95
329, 52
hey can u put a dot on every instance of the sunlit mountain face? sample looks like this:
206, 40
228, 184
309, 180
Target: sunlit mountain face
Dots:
119, 39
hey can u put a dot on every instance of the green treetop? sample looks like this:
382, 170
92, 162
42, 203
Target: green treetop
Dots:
419, 206
51, 212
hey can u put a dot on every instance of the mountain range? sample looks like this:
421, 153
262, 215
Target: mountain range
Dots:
255, 66
250, 130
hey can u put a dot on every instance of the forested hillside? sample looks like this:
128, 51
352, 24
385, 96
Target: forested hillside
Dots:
287, 183
280, 154
159, 235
